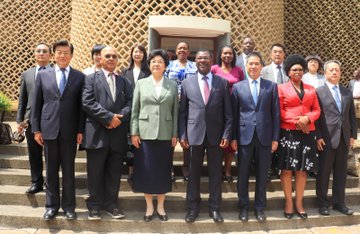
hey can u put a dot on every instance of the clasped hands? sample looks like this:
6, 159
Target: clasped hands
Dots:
303, 124
185, 144
115, 122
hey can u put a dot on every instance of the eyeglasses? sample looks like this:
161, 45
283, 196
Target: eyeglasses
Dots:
108, 56
297, 70
44, 51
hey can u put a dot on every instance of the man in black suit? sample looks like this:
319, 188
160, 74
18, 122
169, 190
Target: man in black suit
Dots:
205, 122
335, 132
42, 54
256, 131
107, 103
57, 122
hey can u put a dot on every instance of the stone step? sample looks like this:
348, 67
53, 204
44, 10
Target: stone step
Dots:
175, 201
21, 177
28, 217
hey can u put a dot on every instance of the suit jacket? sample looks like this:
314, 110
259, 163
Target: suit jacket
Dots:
197, 120
291, 106
332, 123
54, 113
262, 117
155, 117
351, 85
268, 74
240, 63
100, 109
26, 94
128, 74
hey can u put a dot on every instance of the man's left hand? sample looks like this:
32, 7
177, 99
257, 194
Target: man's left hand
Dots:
224, 143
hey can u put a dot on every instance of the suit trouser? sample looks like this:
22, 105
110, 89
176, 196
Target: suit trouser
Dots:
186, 162
336, 160
214, 163
104, 168
60, 152
35, 158
262, 160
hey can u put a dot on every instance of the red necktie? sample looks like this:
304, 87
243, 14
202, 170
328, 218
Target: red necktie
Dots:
206, 89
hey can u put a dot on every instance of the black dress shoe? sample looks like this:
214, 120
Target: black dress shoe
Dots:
115, 213
94, 214
343, 209
288, 215
148, 218
216, 216
229, 179
186, 178
324, 211
162, 217
35, 188
191, 216
70, 215
50, 214
260, 215
243, 215
302, 215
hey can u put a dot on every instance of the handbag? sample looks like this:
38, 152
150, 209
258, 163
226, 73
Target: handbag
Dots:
5, 132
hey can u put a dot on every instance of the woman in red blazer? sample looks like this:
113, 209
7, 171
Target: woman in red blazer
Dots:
299, 109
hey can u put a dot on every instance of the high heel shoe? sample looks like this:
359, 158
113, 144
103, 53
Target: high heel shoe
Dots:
162, 217
148, 218
302, 215
288, 215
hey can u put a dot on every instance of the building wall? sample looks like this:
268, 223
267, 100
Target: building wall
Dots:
325, 28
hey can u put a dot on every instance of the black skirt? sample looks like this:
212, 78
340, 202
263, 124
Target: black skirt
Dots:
152, 167
297, 151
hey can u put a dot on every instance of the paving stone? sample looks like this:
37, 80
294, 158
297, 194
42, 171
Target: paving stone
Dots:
291, 231
332, 230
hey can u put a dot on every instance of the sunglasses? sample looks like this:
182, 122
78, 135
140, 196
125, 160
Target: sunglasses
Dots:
297, 70
108, 56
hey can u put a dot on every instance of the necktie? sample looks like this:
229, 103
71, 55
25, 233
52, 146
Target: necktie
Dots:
206, 89
41, 68
254, 91
62, 83
337, 97
280, 79
110, 81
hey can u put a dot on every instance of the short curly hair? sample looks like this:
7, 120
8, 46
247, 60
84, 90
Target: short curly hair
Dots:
294, 59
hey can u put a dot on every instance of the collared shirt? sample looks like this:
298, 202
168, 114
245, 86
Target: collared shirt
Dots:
106, 73
136, 72
90, 70
58, 74
202, 83
313, 80
356, 91
157, 85
331, 89
275, 70
257, 85
37, 69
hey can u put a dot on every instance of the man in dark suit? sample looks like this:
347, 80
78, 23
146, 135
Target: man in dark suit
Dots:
107, 103
275, 71
256, 131
205, 122
335, 132
57, 123
42, 54
248, 46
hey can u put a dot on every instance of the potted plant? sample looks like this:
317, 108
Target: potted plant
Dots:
5, 105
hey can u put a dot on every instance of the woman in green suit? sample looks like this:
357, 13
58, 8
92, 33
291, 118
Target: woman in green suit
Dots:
154, 133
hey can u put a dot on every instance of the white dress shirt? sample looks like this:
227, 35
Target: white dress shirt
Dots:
202, 83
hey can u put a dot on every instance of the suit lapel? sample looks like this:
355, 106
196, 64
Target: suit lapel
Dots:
52, 80
164, 90
329, 93
261, 90
197, 88
248, 93
344, 97
101, 76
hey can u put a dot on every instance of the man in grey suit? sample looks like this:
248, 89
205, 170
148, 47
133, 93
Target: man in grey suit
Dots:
107, 102
42, 54
205, 122
57, 121
248, 46
336, 133
275, 71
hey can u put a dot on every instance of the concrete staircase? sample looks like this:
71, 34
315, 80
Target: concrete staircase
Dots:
20, 210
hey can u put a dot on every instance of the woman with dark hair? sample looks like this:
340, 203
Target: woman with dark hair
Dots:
95, 56
299, 109
313, 76
226, 69
138, 67
154, 118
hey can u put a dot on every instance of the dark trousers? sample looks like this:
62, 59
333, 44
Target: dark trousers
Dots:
35, 158
214, 162
336, 160
60, 152
186, 162
103, 177
262, 160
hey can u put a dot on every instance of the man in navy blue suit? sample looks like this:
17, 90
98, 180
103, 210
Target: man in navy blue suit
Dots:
205, 122
256, 133
57, 122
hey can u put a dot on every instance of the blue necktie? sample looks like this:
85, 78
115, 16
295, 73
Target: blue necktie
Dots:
337, 97
254, 91
62, 81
